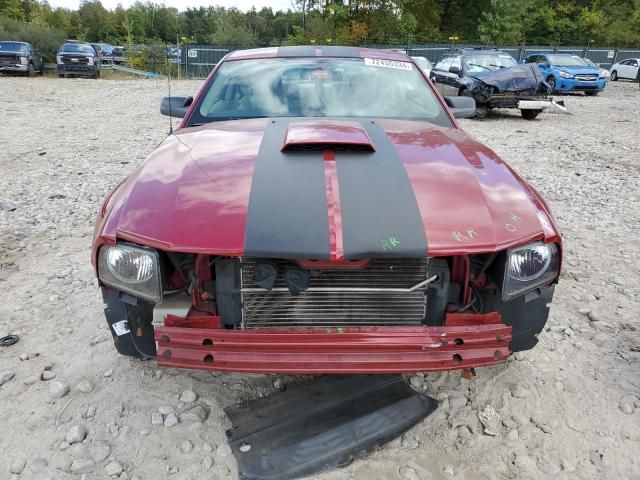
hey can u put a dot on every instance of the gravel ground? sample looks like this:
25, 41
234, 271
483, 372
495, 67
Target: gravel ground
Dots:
71, 406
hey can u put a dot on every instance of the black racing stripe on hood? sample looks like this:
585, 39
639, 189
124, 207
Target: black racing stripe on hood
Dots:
287, 213
380, 215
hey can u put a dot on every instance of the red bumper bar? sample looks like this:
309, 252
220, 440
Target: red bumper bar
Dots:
333, 350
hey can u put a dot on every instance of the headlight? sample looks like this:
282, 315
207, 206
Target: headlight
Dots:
131, 269
529, 267
91, 61
566, 75
24, 60
59, 59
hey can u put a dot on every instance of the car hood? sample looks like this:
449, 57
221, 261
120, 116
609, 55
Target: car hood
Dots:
228, 188
518, 77
580, 70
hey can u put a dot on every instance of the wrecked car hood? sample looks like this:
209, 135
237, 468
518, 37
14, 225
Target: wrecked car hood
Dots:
518, 77
228, 188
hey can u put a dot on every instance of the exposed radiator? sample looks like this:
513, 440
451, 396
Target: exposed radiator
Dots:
375, 296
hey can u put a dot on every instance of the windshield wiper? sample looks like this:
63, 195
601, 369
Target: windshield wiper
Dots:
478, 65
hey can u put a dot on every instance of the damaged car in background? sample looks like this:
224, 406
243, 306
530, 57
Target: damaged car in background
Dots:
494, 79
320, 210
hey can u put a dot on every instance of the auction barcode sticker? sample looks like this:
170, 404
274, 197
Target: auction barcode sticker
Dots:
383, 62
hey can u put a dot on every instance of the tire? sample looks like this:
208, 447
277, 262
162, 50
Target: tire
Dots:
530, 114
592, 93
614, 76
32, 71
61, 75
96, 75
552, 83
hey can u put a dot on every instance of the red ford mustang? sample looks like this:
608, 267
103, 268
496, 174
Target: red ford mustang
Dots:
319, 210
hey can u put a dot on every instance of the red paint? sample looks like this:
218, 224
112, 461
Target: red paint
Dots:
327, 350
327, 132
334, 212
193, 321
192, 193
461, 319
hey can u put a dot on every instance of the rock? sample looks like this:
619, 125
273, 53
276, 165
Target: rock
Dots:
170, 420
278, 384
166, 410
47, 375
108, 373
491, 421
64, 445
195, 414
207, 462
558, 328
85, 386
188, 396
90, 413
39, 465
81, 466
30, 380
569, 332
520, 391
58, 390
409, 442
408, 473
245, 447
417, 382
100, 450
207, 447
512, 435
157, 418
186, 446
17, 466
223, 450
594, 316
457, 402
626, 408
76, 434
7, 207
448, 470
584, 311
567, 465
145, 431
6, 376
114, 468
158, 374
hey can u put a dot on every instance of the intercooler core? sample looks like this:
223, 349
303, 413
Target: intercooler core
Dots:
377, 294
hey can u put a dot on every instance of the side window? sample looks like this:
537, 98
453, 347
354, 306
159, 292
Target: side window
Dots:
444, 64
457, 62
634, 63
531, 59
624, 62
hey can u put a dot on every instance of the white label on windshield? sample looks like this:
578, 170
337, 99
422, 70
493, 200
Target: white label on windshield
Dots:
381, 62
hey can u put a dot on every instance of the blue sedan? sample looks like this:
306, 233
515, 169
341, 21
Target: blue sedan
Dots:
569, 73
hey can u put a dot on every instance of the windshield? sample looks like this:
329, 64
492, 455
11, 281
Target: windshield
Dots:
318, 87
13, 47
77, 48
488, 63
567, 61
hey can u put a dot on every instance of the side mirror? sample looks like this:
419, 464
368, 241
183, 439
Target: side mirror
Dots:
175, 106
454, 69
461, 107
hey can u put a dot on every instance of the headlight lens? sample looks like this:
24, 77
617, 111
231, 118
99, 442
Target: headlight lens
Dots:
24, 60
91, 61
131, 269
528, 268
566, 75
58, 58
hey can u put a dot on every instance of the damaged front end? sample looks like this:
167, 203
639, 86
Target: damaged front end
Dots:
510, 87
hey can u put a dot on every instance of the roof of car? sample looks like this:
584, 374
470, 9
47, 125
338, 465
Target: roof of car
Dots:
316, 51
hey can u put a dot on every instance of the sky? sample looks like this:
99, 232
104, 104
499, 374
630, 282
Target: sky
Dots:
184, 4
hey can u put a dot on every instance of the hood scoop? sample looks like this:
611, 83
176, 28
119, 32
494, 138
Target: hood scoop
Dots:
320, 135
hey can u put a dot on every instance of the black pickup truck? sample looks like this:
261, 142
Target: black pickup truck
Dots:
20, 57
78, 59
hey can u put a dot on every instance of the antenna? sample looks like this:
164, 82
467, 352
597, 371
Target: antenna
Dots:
169, 82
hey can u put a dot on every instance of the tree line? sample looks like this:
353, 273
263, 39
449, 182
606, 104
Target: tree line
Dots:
350, 22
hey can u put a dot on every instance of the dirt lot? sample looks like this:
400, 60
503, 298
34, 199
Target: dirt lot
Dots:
568, 409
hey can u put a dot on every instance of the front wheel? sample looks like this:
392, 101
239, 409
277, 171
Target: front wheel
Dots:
530, 114
32, 71
614, 76
592, 93
552, 84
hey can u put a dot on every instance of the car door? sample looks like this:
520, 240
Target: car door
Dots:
438, 73
452, 80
